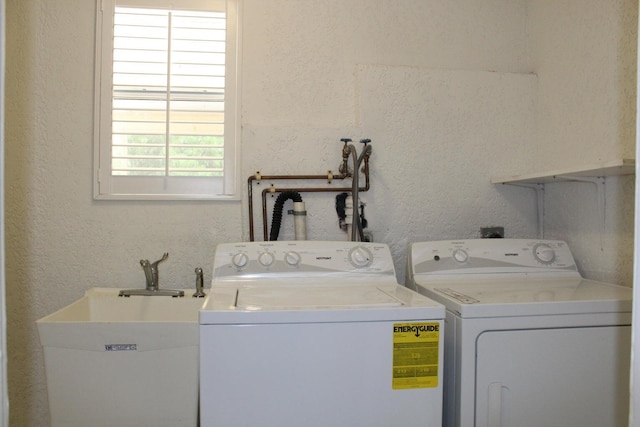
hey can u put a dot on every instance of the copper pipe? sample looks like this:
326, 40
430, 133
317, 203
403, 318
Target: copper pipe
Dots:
365, 170
280, 177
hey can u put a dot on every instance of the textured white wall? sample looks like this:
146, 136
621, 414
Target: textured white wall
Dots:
318, 71
59, 241
585, 53
445, 90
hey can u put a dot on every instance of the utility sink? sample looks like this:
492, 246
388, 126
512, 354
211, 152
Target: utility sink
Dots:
113, 360
104, 305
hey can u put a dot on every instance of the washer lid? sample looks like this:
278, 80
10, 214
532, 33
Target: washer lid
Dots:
313, 298
529, 297
297, 304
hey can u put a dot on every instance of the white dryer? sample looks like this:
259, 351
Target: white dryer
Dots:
529, 342
317, 334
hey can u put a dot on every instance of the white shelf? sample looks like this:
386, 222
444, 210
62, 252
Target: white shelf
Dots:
612, 168
593, 174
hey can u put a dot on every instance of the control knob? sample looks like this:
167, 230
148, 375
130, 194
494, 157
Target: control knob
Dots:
239, 260
292, 258
360, 257
266, 259
544, 253
460, 255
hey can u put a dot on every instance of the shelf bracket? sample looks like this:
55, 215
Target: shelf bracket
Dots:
599, 183
539, 189
595, 174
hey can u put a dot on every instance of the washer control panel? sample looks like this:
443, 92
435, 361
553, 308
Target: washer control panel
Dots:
490, 256
295, 258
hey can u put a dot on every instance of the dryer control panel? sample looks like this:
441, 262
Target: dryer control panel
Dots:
308, 259
491, 256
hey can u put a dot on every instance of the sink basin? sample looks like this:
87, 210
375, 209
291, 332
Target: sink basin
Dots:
104, 305
133, 361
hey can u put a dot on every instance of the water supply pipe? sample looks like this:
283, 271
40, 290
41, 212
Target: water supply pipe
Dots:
344, 173
274, 190
258, 177
357, 232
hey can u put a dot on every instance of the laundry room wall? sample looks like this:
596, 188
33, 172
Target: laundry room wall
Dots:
584, 54
448, 92
445, 92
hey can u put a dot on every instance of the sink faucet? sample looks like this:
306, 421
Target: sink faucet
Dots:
151, 271
153, 286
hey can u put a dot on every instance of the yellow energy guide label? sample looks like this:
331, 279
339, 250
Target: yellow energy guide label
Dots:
415, 355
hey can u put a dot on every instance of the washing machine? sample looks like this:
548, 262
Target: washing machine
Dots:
529, 342
304, 333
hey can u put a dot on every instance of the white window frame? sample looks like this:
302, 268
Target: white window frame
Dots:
107, 186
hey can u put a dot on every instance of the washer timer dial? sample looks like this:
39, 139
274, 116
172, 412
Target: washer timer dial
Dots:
544, 253
360, 257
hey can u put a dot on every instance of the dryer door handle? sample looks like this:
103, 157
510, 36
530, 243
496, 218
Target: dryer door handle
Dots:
494, 402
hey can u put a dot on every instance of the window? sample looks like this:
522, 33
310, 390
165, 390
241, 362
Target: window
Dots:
166, 114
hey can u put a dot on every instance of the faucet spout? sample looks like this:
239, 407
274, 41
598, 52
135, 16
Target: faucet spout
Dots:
146, 267
151, 272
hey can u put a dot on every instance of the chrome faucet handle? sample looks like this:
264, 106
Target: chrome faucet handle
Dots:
154, 265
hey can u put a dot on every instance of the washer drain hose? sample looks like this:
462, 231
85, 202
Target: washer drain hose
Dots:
298, 212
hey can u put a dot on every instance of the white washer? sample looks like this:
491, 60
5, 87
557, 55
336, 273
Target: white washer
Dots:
317, 334
529, 342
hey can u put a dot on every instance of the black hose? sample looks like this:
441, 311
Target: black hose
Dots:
277, 211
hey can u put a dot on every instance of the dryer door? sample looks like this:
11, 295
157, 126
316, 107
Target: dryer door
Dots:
570, 377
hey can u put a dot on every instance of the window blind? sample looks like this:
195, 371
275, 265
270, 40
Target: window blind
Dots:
167, 100
168, 92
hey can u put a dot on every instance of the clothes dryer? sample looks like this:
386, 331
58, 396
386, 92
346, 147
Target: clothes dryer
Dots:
317, 334
529, 342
